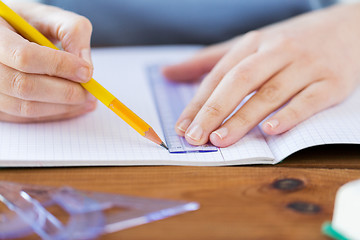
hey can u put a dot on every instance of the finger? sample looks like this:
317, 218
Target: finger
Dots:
269, 97
243, 79
29, 109
201, 63
247, 46
40, 88
311, 100
20, 54
11, 118
72, 30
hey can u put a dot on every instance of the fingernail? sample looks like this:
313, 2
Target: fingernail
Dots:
221, 133
195, 132
84, 74
86, 55
183, 125
272, 124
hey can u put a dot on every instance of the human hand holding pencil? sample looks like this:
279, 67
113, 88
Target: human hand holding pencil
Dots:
21, 56
39, 83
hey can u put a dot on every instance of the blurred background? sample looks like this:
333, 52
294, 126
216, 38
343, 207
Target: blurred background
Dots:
144, 22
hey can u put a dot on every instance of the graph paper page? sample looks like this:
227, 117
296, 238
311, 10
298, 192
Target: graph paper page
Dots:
338, 124
101, 137
251, 149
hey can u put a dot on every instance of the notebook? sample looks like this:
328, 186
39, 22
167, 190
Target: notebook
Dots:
102, 138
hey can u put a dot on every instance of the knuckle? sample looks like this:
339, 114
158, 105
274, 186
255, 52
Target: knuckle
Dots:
21, 56
72, 94
57, 64
26, 109
323, 69
316, 99
249, 39
240, 76
315, 60
212, 110
309, 58
253, 36
244, 74
240, 119
269, 93
80, 24
292, 113
195, 106
21, 85
310, 98
84, 23
215, 76
285, 42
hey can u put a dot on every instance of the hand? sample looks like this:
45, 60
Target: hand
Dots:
307, 63
41, 84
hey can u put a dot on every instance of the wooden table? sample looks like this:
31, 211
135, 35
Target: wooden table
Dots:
288, 201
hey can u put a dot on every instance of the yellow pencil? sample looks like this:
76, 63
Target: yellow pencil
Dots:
32, 34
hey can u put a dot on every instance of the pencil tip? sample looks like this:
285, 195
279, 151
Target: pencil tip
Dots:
164, 146
151, 135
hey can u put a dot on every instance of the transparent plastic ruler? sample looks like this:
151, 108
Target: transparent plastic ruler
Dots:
171, 99
25, 210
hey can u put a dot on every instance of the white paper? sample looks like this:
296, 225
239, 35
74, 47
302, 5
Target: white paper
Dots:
338, 124
102, 138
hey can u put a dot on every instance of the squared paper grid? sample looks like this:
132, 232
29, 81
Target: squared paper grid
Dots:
338, 124
101, 138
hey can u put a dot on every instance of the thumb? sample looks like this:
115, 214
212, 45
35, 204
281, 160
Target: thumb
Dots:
200, 64
71, 30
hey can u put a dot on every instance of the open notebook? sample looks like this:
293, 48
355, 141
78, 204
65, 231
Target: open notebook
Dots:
101, 138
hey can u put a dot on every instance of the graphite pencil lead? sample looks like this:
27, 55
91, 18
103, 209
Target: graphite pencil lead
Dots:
164, 146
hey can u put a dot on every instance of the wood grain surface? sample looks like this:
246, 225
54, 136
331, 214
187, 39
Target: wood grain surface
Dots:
288, 201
